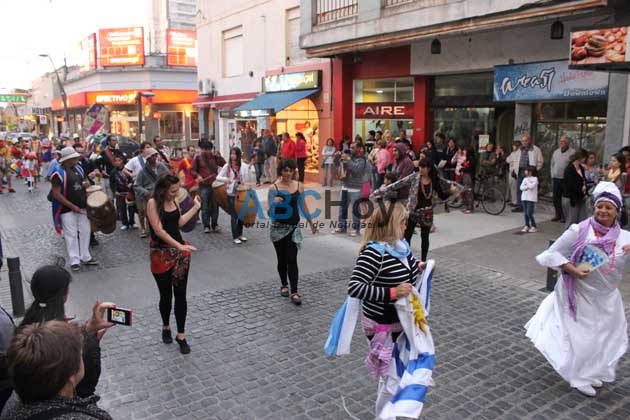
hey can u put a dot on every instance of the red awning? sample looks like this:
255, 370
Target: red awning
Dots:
225, 101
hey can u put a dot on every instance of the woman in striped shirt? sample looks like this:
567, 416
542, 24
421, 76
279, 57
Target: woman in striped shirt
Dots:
384, 272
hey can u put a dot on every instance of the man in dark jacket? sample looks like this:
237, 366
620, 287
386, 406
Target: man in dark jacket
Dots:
402, 167
356, 167
205, 169
270, 148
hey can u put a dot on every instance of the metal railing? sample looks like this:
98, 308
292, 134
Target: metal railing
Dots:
387, 3
332, 10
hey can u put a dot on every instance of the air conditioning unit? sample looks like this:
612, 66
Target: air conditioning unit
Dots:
201, 87
209, 88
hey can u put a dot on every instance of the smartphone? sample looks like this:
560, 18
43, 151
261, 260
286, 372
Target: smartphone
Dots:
119, 316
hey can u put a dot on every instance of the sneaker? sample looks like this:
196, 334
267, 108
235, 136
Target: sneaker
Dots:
184, 348
91, 261
238, 241
597, 383
167, 338
75, 267
339, 230
124, 227
354, 233
587, 390
243, 239
206, 230
533, 230
525, 229
143, 234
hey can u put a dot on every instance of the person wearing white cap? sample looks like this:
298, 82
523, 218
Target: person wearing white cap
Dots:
69, 200
581, 327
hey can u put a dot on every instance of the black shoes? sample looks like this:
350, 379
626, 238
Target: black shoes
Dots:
167, 338
75, 267
517, 210
184, 348
91, 261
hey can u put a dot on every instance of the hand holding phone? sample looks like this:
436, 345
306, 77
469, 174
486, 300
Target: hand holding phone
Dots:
119, 316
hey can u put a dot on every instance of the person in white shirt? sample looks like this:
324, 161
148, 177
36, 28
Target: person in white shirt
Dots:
234, 173
529, 197
527, 155
133, 168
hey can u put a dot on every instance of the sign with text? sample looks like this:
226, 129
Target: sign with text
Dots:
601, 49
121, 47
292, 81
87, 58
13, 98
384, 111
181, 47
546, 81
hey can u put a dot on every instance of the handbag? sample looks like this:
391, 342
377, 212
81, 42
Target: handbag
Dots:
423, 216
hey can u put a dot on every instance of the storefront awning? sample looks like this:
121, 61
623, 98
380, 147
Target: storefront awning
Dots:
223, 101
271, 103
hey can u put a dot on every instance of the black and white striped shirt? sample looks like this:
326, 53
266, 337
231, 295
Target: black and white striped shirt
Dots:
372, 286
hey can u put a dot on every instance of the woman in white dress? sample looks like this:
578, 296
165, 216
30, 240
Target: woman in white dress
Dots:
581, 327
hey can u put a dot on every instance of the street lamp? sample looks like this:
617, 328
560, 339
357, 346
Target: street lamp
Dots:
64, 97
139, 97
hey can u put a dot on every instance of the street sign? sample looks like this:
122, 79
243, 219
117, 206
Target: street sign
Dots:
13, 98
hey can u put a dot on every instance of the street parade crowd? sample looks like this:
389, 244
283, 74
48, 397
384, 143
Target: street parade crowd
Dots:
51, 365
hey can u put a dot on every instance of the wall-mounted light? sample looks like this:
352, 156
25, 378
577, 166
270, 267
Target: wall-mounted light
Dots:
436, 47
379, 91
557, 30
356, 58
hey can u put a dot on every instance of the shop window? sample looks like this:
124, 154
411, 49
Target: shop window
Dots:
194, 125
294, 54
233, 54
384, 90
587, 110
171, 125
465, 124
478, 84
302, 117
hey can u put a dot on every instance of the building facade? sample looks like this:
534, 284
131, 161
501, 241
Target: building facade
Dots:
253, 75
169, 14
454, 67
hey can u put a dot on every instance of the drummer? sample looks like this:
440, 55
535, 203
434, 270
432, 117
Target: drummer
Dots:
234, 174
69, 208
205, 169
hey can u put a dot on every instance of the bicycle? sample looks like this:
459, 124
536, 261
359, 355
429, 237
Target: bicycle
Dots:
485, 194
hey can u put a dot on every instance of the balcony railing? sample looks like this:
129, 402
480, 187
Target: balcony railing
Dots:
387, 3
332, 10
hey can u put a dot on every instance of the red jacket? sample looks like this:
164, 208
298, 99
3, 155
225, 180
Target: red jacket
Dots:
300, 149
288, 150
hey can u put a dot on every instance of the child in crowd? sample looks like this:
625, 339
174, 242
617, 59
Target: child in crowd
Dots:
529, 197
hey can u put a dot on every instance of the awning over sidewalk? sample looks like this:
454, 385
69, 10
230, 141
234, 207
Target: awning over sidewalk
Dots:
271, 103
224, 101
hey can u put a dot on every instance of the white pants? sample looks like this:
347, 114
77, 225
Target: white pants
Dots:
76, 233
271, 169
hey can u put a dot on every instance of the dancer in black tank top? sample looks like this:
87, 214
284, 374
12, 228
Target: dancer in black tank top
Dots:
170, 255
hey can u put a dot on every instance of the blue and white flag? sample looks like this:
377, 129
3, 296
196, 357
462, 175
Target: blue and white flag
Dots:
342, 328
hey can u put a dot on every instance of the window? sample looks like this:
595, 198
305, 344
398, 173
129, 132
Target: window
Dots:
383, 90
233, 52
295, 54
171, 125
464, 85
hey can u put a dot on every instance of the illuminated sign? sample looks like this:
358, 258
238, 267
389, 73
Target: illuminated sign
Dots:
292, 81
384, 111
122, 47
600, 49
181, 47
87, 58
115, 98
13, 98
253, 113
128, 97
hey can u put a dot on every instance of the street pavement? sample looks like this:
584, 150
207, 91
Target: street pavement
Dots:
257, 356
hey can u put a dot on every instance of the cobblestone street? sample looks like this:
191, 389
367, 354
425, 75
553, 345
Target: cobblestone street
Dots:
256, 356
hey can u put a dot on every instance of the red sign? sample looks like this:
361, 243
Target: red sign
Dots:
87, 59
385, 111
122, 47
181, 47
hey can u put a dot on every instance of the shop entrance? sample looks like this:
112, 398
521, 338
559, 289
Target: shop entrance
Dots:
302, 117
124, 123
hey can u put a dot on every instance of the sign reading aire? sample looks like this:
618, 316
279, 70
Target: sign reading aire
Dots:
384, 111
181, 46
13, 98
122, 47
292, 81
87, 58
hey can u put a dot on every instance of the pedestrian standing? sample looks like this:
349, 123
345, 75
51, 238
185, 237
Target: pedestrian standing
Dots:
205, 169
69, 208
449, 166
616, 171
402, 166
559, 162
106, 162
234, 173
300, 154
146, 179
383, 162
574, 190
529, 197
527, 155
581, 327
513, 162
355, 166
591, 170
270, 149
121, 185
288, 147
170, 255
257, 158
163, 150
285, 204
328, 162
132, 168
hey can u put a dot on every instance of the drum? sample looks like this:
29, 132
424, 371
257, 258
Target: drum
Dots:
249, 218
220, 195
101, 212
92, 189
185, 203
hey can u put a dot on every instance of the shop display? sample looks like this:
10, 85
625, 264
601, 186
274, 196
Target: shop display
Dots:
599, 46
